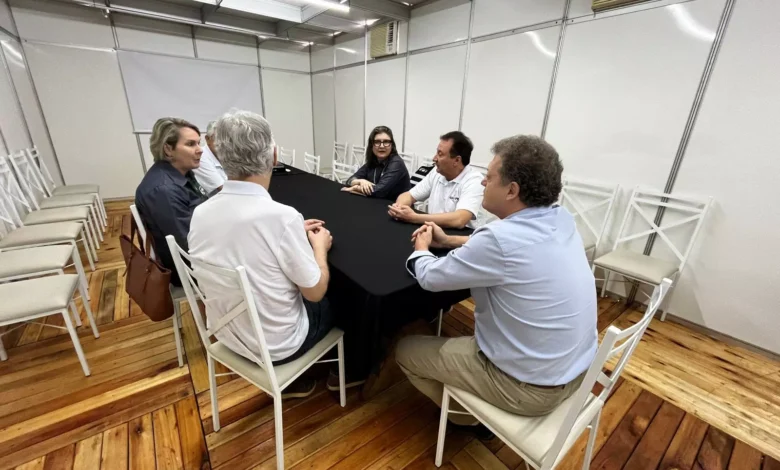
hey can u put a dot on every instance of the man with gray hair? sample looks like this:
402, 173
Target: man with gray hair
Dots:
210, 174
285, 257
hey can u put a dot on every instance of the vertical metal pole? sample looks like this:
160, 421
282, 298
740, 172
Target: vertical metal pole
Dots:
466, 66
406, 84
7, 68
260, 74
113, 26
709, 66
311, 90
194, 43
365, 78
335, 114
141, 151
558, 53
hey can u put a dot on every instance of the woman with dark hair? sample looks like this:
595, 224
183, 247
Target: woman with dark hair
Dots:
384, 174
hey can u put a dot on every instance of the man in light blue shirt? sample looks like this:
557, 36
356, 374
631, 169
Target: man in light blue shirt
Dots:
535, 296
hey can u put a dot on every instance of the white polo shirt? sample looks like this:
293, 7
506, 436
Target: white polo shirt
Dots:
463, 192
243, 226
210, 174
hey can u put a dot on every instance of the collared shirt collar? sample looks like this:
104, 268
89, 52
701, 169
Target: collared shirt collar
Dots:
530, 212
244, 188
174, 174
459, 178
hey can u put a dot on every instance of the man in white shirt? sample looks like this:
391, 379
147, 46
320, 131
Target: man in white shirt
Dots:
453, 191
284, 256
210, 174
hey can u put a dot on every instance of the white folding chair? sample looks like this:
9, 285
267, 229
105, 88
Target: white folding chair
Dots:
340, 152
287, 156
357, 155
410, 160
53, 190
177, 293
260, 371
311, 163
543, 440
590, 203
424, 161
643, 268
29, 181
342, 172
19, 236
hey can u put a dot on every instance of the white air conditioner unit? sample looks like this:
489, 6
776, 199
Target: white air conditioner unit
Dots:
384, 40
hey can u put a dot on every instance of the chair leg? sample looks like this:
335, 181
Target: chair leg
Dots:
75, 311
94, 223
80, 271
89, 254
445, 409
177, 337
100, 206
76, 343
88, 242
438, 326
213, 393
342, 377
604, 286
91, 319
99, 214
91, 232
594, 429
278, 427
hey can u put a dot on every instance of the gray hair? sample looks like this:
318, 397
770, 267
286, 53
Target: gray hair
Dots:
210, 129
166, 131
244, 143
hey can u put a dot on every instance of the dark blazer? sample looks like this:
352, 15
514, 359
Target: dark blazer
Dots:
390, 178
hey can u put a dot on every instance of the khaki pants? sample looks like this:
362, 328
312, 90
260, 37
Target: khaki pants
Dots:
431, 361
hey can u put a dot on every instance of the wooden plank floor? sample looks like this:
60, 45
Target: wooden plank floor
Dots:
688, 402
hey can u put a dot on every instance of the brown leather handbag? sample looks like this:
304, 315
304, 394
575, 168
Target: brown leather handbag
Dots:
147, 281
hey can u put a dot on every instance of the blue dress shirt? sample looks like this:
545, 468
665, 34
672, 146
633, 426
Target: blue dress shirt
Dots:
533, 289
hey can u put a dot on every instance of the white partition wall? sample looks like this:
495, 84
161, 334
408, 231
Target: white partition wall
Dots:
229, 47
61, 23
508, 81
324, 113
493, 16
439, 22
730, 284
288, 108
433, 97
6, 20
349, 85
385, 97
12, 122
144, 34
90, 123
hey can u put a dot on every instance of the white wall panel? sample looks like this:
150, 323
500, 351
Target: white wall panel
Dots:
32, 113
730, 283
221, 45
288, 108
148, 157
439, 22
321, 58
618, 113
12, 122
507, 88
403, 33
61, 23
579, 8
492, 16
289, 60
349, 104
323, 109
197, 90
433, 97
144, 34
385, 97
6, 20
351, 51
90, 124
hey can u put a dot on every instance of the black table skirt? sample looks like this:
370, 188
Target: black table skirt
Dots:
370, 290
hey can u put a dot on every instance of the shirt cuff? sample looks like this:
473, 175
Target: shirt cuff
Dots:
413, 258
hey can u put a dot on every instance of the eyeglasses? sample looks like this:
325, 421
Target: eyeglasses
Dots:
383, 143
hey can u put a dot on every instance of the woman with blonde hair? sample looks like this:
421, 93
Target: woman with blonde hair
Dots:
169, 192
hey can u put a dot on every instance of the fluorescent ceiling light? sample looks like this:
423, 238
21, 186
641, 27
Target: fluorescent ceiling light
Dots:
348, 51
370, 22
327, 4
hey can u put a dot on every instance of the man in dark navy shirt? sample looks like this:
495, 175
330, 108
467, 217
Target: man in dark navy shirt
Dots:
169, 192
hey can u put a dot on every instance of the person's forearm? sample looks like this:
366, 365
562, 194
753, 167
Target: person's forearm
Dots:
446, 220
455, 241
321, 257
405, 199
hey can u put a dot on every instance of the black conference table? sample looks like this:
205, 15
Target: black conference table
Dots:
370, 290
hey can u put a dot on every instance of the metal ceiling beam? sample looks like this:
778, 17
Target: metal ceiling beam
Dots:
270, 8
335, 23
310, 11
384, 8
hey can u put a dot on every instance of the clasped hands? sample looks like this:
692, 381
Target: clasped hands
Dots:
429, 236
318, 235
361, 187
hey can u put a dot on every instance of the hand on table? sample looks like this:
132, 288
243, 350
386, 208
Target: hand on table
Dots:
438, 237
312, 224
352, 190
423, 237
363, 186
320, 239
401, 212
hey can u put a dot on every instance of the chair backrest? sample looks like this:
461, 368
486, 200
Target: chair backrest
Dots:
196, 275
420, 174
28, 177
424, 161
695, 210
311, 163
15, 204
357, 156
41, 169
616, 343
410, 160
340, 152
342, 172
141, 228
287, 156
591, 205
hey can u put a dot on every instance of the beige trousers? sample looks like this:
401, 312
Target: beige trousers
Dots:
431, 361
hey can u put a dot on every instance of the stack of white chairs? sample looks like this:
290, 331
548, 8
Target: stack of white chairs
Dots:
312, 163
410, 160
542, 441
196, 275
33, 259
342, 172
287, 156
591, 205
177, 293
357, 157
